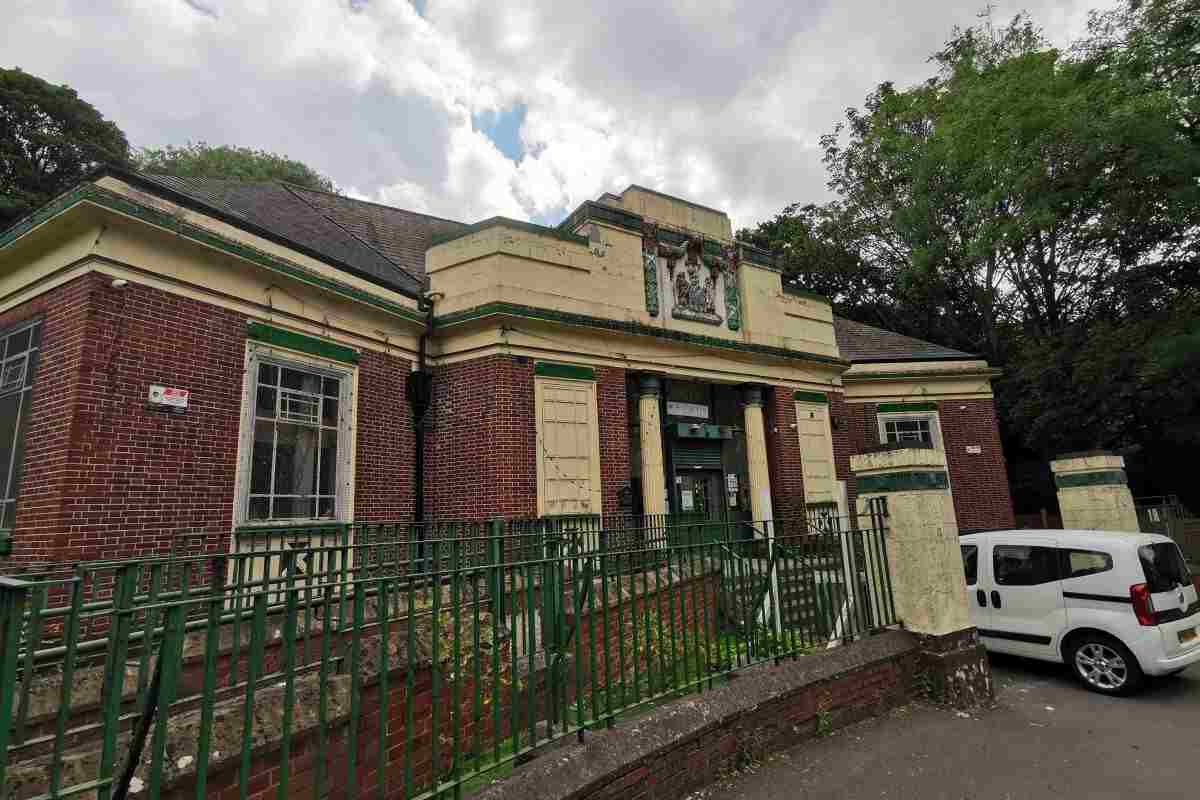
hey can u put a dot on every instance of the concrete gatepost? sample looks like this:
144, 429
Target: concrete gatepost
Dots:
654, 486
1093, 493
911, 487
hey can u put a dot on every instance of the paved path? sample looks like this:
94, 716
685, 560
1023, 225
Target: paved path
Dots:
1047, 738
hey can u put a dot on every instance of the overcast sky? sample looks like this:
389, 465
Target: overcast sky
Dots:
527, 108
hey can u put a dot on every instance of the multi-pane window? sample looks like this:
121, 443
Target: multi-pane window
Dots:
298, 443
18, 349
917, 430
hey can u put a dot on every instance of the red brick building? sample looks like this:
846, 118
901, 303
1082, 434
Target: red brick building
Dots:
186, 360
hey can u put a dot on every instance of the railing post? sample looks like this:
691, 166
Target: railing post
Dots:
496, 560
12, 609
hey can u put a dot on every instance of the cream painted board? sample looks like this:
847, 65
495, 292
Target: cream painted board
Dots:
816, 452
568, 447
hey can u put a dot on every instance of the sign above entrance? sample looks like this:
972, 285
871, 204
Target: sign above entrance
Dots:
677, 409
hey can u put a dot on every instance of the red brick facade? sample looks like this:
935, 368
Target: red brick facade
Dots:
783, 452
480, 440
979, 481
105, 476
614, 435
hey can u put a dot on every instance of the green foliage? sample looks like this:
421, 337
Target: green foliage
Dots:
1039, 207
49, 140
202, 160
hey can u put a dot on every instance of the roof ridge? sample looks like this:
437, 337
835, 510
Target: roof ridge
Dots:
340, 196
292, 190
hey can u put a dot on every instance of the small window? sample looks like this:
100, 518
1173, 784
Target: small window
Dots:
970, 557
1078, 563
18, 358
1024, 565
908, 429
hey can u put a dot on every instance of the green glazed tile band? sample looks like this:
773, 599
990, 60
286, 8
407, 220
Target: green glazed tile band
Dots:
301, 343
923, 480
1108, 477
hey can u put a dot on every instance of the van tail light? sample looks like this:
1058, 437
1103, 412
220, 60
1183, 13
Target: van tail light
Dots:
1143, 604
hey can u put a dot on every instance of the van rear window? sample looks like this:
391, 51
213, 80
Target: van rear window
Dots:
1164, 566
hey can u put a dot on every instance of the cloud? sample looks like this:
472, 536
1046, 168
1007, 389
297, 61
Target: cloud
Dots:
524, 108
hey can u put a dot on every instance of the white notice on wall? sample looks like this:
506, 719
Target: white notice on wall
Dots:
974, 449
169, 396
731, 482
685, 500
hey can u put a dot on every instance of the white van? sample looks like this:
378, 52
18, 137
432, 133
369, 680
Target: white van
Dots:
1114, 606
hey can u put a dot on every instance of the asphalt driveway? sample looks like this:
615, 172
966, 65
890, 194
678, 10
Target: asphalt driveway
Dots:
1046, 738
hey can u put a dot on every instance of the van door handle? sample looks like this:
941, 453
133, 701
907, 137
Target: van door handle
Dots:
981, 598
996, 599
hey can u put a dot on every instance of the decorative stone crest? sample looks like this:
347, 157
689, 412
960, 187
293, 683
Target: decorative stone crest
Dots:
701, 277
694, 284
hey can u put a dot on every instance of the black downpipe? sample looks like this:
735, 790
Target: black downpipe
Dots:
420, 396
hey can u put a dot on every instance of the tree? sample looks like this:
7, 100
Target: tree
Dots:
49, 140
1038, 206
202, 160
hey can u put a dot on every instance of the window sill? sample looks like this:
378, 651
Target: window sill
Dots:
289, 527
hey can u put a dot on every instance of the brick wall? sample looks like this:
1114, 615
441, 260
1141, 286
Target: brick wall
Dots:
106, 476
784, 461
480, 443
979, 481
482, 438
49, 472
614, 435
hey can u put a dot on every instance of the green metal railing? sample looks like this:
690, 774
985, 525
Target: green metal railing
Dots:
400, 660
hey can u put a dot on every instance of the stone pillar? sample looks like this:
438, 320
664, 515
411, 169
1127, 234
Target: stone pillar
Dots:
756, 453
925, 565
1092, 492
654, 486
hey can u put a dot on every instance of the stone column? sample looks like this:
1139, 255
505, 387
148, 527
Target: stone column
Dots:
1092, 492
654, 487
924, 563
756, 453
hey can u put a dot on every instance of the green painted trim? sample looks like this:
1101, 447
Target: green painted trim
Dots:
506, 222
914, 481
759, 257
700, 430
301, 342
591, 211
806, 294
6, 540
1075, 480
900, 408
629, 327
811, 397
111, 201
551, 369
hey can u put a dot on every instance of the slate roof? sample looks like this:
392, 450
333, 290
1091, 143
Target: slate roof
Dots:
345, 232
861, 343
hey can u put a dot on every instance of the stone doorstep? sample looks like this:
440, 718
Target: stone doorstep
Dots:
581, 769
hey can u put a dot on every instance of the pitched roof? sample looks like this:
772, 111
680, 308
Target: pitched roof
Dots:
861, 343
291, 215
402, 236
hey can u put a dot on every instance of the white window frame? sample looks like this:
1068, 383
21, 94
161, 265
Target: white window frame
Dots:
347, 375
935, 424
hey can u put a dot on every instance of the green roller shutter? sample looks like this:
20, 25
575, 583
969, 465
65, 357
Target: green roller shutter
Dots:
697, 455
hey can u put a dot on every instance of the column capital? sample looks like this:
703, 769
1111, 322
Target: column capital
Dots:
649, 385
752, 395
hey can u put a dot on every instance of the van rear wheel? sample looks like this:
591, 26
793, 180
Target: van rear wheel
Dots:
1105, 665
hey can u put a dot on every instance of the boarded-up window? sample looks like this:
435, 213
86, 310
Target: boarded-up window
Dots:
816, 450
568, 442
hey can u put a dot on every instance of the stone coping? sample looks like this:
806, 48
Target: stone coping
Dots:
575, 770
